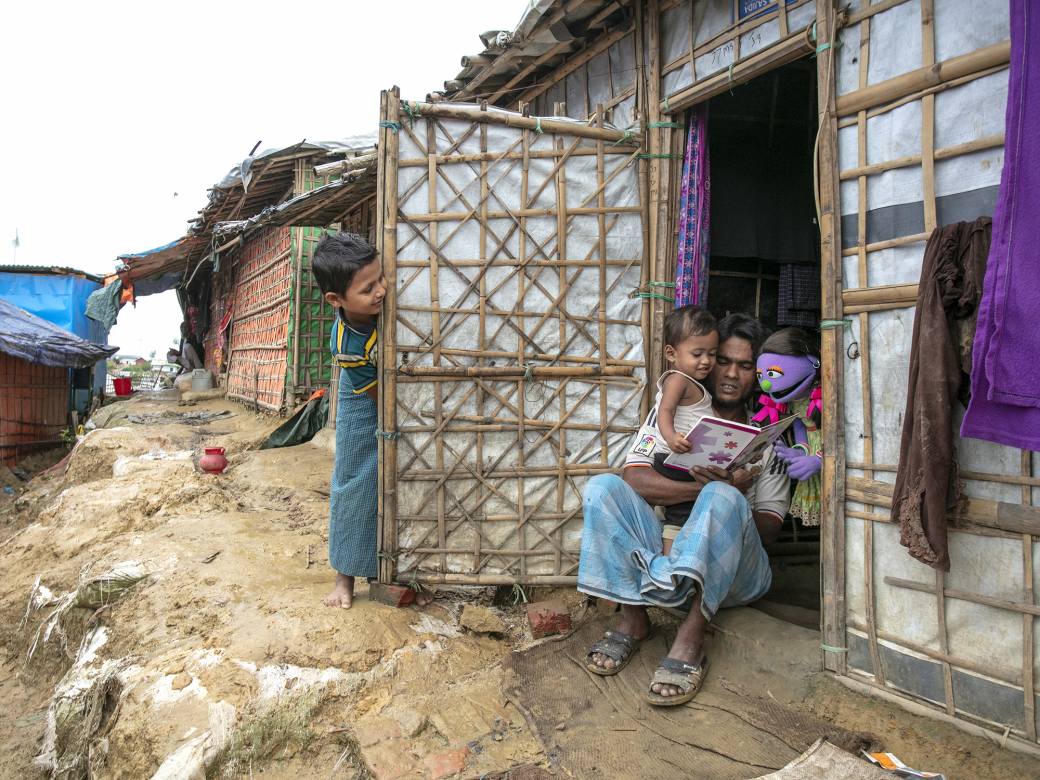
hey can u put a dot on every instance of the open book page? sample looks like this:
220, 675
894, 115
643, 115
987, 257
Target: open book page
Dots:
725, 444
766, 437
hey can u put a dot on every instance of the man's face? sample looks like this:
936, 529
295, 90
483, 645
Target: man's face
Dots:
733, 379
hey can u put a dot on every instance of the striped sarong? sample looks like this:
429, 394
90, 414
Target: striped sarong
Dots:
353, 520
718, 549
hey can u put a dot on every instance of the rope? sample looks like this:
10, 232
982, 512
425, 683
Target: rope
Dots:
538, 125
413, 114
387, 556
845, 324
666, 109
676, 125
662, 284
623, 139
824, 47
388, 436
528, 372
653, 295
830, 649
648, 156
395, 126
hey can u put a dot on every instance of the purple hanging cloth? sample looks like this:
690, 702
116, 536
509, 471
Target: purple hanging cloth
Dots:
1005, 393
691, 276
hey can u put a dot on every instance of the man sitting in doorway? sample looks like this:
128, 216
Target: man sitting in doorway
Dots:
186, 357
716, 560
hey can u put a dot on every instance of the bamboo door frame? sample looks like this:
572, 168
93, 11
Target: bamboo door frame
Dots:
664, 228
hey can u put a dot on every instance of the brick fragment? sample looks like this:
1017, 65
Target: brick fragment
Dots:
447, 763
391, 595
548, 618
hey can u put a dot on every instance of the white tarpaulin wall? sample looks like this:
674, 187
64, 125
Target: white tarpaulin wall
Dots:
490, 467
974, 660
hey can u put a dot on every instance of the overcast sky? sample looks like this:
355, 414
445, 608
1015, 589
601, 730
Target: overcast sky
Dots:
119, 115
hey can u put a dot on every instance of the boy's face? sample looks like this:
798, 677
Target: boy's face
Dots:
364, 297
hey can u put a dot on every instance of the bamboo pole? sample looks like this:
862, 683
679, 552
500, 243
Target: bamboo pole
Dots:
1011, 606
890, 243
345, 166
417, 162
510, 119
988, 142
525, 72
512, 372
923, 78
1029, 596
491, 579
889, 293
792, 48
833, 354
387, 232
575, 62
929, 711
602, 202
460, 216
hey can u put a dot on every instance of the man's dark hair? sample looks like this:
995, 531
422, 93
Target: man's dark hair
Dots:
746, 327
337, 258
687, 321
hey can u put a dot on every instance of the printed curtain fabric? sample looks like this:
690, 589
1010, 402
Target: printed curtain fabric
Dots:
691, 278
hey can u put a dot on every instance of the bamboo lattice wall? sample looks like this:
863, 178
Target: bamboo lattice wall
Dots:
963, 641
34, 407
514, 366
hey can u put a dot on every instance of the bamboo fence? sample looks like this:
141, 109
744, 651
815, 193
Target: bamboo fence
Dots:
512, 370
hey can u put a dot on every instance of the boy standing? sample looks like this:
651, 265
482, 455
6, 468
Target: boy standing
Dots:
351, 280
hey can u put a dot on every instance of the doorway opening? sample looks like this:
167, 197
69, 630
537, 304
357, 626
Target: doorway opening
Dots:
765, 258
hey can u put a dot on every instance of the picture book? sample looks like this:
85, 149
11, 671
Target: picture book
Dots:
726, 444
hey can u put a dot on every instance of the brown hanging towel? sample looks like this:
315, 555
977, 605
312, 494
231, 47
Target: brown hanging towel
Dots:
947, 306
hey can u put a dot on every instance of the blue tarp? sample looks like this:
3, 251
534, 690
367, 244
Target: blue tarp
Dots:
61, 300
33, 338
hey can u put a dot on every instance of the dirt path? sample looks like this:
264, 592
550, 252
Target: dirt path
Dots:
224, 653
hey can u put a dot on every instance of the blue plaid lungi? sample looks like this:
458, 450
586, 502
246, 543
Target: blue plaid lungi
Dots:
718, 549
354, 519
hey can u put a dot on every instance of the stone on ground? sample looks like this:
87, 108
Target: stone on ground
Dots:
481, 620
411, 722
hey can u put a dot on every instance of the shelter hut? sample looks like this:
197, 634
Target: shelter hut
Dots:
243, 281
59, 295
839, 139
36, 358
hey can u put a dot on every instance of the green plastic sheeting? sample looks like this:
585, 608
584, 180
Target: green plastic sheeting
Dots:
302, 426
103, 305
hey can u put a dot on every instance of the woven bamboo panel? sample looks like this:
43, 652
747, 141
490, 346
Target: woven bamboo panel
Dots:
517, 345
263, 285
34, 405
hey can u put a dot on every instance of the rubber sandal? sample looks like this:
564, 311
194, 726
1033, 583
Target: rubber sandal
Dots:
686, 677
616, 646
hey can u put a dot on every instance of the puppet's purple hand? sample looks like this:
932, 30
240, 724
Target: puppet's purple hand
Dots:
799, 465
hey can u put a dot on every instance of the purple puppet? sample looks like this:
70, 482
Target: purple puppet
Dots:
789, 374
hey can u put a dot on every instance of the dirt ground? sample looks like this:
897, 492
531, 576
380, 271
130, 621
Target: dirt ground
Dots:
223, 650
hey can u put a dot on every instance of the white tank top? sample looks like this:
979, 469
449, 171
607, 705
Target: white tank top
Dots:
685, 416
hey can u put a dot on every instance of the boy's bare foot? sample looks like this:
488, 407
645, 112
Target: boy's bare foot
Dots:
343, 594
424, 597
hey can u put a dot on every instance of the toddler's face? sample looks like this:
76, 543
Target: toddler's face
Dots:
695, 355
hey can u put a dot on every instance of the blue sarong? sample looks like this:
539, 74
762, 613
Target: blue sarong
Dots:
354, 519
718, 549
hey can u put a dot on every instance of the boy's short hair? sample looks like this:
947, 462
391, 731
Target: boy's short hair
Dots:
337, 258
687, 321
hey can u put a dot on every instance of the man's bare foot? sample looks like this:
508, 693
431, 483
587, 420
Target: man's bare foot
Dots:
688, 644
343, 594
634, 623
424, 597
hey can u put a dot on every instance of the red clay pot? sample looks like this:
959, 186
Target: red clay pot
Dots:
213, 462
